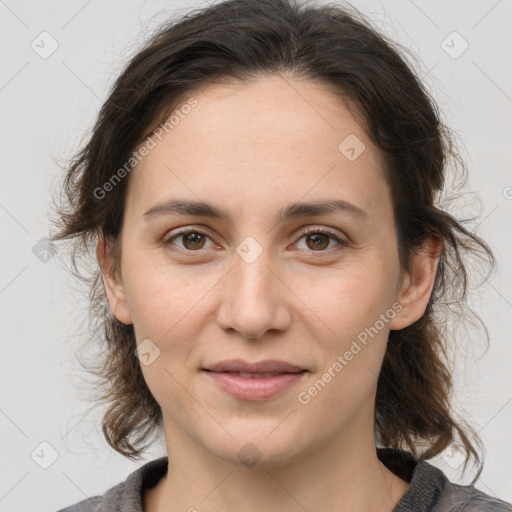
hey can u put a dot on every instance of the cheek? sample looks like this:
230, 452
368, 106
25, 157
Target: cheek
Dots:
353, 299
351, 353
167, 308
356, 307
160, 297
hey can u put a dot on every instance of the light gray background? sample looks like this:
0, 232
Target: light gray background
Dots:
47, 106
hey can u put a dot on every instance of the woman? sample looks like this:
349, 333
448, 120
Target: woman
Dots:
261, 190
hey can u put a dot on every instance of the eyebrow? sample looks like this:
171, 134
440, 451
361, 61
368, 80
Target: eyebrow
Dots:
203, 209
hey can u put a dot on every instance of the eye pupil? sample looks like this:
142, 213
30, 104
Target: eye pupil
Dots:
317, 240
194, 238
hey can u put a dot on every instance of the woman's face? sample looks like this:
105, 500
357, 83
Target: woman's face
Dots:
254, 285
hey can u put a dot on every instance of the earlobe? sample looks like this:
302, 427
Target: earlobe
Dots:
114, 286
418, 284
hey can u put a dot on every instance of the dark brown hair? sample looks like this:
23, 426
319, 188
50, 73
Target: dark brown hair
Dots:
336, 47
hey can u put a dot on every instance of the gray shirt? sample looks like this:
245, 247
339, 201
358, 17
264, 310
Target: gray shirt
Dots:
429, 489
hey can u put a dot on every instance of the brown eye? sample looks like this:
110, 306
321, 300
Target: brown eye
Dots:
318, 240
192, 240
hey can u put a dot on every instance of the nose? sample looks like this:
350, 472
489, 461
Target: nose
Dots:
254, 299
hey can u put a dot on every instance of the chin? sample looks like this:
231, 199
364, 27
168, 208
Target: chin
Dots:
258, 449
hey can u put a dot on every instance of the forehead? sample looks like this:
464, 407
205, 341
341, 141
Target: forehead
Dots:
274, 139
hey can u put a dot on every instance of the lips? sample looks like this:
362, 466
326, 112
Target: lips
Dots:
254, 381
271, 366
246, 375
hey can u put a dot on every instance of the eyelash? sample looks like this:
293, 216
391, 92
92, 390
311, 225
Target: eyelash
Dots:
308, 231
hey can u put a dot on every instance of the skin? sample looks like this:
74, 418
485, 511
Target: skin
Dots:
254, 148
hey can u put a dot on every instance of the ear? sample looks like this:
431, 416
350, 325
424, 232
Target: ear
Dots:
114, 286
416, 286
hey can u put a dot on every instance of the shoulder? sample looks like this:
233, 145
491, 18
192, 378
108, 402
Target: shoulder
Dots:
87, 505
109, 501
451, 497
467, 498
431, 491
127, 495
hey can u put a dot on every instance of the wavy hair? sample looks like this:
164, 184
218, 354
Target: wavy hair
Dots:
338, 48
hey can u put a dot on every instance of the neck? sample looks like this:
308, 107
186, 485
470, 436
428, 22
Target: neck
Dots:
338, 476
